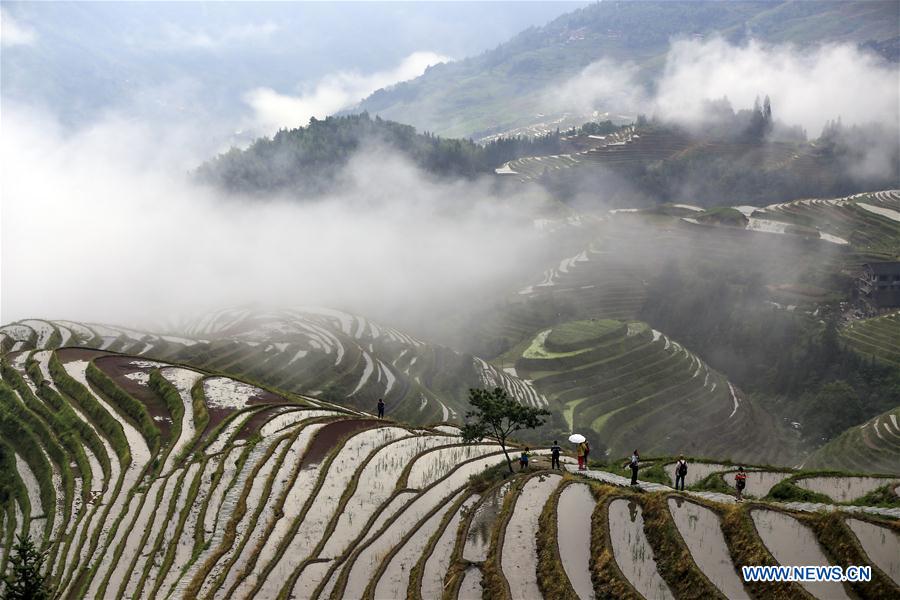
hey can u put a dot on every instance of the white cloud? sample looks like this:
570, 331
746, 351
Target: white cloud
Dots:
807, 87
273, 110
604, 83
176, 36
14, 33
100, 224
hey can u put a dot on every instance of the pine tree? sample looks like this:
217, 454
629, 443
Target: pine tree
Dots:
497, 415
24, 581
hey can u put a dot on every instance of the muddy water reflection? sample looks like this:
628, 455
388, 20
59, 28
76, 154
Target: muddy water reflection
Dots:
793, 543
759, 483
882, 546
519, 560
843, 489
478, 538
573, 521
632, 550
471, 585
702, 533
696, 472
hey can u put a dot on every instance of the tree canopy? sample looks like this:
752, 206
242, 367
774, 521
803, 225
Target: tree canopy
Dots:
24, 580
498, 415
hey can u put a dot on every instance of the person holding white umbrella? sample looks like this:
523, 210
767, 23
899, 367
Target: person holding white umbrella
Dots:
577, 438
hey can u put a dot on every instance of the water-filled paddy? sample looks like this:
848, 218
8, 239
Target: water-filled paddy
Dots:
478, 538
702, 533
843, 489
793, 543
759, 483
573, 521
881, 545
519, 560
470, 589
632, 551
696, 472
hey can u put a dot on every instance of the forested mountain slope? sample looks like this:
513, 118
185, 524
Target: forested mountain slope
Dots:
500, 89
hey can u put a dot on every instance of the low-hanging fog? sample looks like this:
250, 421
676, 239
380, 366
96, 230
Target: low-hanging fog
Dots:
807, 86
103, 224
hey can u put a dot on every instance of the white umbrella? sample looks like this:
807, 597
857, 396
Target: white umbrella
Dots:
576, 438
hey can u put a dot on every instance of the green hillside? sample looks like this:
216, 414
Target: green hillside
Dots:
627, 385
309, 159
501, 89
878, 338
872, 446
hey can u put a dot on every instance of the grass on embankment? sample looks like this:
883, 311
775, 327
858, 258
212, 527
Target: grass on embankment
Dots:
552, 578
608, 580
842, 548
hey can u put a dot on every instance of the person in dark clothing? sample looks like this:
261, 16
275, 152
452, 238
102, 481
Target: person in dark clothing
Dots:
740, 482
633, 463
680, 472
587, 452
381, 408
523, 460
554, 455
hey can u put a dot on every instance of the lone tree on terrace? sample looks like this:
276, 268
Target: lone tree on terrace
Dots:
24, 580
497, 415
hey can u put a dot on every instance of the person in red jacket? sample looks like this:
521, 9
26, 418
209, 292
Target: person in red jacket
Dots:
740, 482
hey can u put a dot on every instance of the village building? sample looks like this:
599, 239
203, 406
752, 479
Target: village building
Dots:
879, 284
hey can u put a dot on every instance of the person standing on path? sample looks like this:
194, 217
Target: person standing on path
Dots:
587, 452
523, 460
554, 455
580, 452
633, 463
740, 482
381, 408
680, 471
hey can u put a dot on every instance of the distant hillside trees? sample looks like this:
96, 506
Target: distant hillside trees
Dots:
777, 354
309, 159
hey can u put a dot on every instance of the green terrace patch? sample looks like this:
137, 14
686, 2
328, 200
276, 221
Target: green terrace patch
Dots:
577, 335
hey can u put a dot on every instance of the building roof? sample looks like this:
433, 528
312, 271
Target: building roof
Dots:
884, 268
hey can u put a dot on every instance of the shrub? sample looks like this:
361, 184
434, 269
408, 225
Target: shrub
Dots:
25, 582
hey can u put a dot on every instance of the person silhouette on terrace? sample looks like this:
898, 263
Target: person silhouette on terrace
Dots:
554, 455
581, 451
680, 471
633, 463
523, 460
740, 482
381, 408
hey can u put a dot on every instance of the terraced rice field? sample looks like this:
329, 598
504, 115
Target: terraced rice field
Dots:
532, 167
696, 472
632, 385
878, 338
793, 543
310, 351
869, 223
845, 489
702, 533
881, 544
872, 446
608, 266
633, 552
622, 148
142, 478
759, 483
